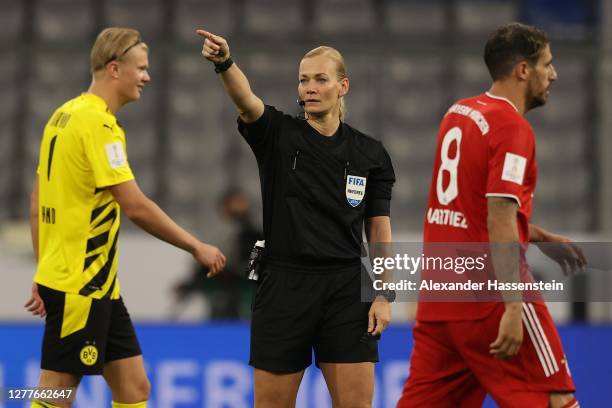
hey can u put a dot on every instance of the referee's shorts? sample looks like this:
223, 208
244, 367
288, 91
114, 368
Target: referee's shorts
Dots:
82, 334
296, 311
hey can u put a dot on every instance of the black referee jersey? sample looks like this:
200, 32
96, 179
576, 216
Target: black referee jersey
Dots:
316, 189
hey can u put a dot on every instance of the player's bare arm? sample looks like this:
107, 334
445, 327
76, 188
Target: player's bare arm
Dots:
35, 304
216, 50
378, 229
34, 217
148, 216
559, 248
503, 229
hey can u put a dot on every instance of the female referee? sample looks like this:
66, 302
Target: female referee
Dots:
320, 180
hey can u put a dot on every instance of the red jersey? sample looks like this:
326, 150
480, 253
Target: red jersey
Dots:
485, 148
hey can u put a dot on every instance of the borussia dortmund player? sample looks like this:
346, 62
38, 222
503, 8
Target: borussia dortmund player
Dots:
83, 180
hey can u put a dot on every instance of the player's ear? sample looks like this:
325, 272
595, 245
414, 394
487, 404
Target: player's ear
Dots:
521, 70
112, 68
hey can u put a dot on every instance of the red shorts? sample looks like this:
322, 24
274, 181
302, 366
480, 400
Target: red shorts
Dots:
451, 366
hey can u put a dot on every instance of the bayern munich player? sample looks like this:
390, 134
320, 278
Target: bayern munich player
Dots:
485, 175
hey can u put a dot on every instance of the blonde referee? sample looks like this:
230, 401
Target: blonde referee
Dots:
83, 180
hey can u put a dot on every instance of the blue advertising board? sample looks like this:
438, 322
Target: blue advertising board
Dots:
205, 365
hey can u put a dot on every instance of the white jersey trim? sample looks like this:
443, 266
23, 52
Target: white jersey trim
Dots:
501, 98
504, 195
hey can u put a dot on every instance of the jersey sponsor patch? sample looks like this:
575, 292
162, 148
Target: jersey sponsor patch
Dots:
116, 155
355, 189
514, 168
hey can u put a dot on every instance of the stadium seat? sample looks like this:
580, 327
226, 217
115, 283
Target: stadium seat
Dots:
144, 15
418, 17
270, 66
561, 144
58, 68
8, 103
413, 71
560, 182
565, 106
410, 142
188, 67
11, 20
412, 105
10, 66
215, 16
344, 16
275, 17
471, 69
411, 90
65, 21
481, 17
274, 78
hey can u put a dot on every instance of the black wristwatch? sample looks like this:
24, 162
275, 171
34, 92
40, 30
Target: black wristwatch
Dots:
387, 294
224, 66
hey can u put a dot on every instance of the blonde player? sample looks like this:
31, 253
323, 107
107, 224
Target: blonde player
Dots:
83, 181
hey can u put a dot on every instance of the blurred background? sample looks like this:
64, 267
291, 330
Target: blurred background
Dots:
407, 60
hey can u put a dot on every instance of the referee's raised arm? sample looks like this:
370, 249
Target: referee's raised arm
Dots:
216, 50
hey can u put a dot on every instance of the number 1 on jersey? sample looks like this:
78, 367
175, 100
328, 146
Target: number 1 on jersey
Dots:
51, 149
445, 196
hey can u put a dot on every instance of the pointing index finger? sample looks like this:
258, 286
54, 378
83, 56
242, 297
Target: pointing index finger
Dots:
207, 34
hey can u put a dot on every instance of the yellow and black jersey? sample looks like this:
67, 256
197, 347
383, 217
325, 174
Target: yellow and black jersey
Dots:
82, 153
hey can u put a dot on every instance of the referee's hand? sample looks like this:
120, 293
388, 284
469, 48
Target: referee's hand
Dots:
215, 48
210, 257
379, 316
35, 304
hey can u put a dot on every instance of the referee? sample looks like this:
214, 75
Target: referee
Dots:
83, 180
320, 180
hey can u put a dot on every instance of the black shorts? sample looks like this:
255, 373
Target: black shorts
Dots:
295, 312
82, 334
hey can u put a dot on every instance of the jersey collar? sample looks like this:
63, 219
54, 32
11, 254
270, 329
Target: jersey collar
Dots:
501, 98
97, 101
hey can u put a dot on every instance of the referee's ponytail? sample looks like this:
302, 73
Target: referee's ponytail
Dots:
334, 55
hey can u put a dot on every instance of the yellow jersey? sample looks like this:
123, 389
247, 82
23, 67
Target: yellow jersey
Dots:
82, 153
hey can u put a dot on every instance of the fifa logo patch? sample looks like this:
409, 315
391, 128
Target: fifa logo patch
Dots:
89, 355
355, 189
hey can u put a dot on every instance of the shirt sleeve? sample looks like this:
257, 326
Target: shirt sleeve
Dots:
261, 134
511, 150
105, 149
380, 186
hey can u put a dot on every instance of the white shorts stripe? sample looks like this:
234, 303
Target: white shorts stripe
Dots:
546, 342
535, 345
537, 341
533, 319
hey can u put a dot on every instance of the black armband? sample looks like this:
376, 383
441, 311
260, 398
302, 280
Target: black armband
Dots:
224, 66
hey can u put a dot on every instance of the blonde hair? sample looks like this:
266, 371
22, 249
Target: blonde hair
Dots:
112, 44
335, 56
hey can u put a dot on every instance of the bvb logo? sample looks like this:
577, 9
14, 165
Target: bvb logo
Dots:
89, 355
